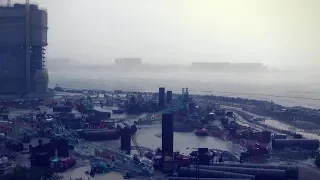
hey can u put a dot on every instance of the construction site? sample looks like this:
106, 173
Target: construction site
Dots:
140, 135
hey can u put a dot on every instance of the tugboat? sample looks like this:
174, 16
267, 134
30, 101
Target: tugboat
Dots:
202, 132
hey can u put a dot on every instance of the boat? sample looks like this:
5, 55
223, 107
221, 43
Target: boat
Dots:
202, 132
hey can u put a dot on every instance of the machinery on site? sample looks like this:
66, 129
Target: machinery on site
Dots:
113, 158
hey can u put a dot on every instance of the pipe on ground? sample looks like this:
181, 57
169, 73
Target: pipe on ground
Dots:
201, 173
260, 174
195, 178
292, 172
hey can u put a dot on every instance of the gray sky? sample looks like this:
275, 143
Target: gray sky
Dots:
275, 32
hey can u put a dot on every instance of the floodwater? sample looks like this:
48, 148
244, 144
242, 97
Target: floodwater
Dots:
254, 86
148, 136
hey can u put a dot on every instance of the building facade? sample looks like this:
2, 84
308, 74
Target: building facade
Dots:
23, 38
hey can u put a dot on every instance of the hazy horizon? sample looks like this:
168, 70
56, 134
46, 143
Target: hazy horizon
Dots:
301, 90
53, 64
281, 34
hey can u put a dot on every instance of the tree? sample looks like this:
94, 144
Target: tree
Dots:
23, 173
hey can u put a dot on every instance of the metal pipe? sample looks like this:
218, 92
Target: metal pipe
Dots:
120, 126
201, 173
260, 174
292, 172
132, 127
196, 178
308, 144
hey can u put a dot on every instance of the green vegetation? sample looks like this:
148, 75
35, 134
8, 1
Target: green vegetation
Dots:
22, 173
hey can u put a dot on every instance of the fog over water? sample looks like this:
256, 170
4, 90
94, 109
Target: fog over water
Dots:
86, 36
281, 35
286, 88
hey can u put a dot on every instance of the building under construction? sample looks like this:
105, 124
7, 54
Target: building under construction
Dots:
23, 38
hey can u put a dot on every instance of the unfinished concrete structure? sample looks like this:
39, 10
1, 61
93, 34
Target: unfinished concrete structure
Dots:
23, 38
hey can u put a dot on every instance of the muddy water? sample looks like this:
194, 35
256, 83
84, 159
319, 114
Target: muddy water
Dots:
148, 136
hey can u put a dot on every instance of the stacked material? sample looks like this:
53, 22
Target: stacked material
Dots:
292, 172
307, 144
202, 173
195, 178
238, 171
260, 174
